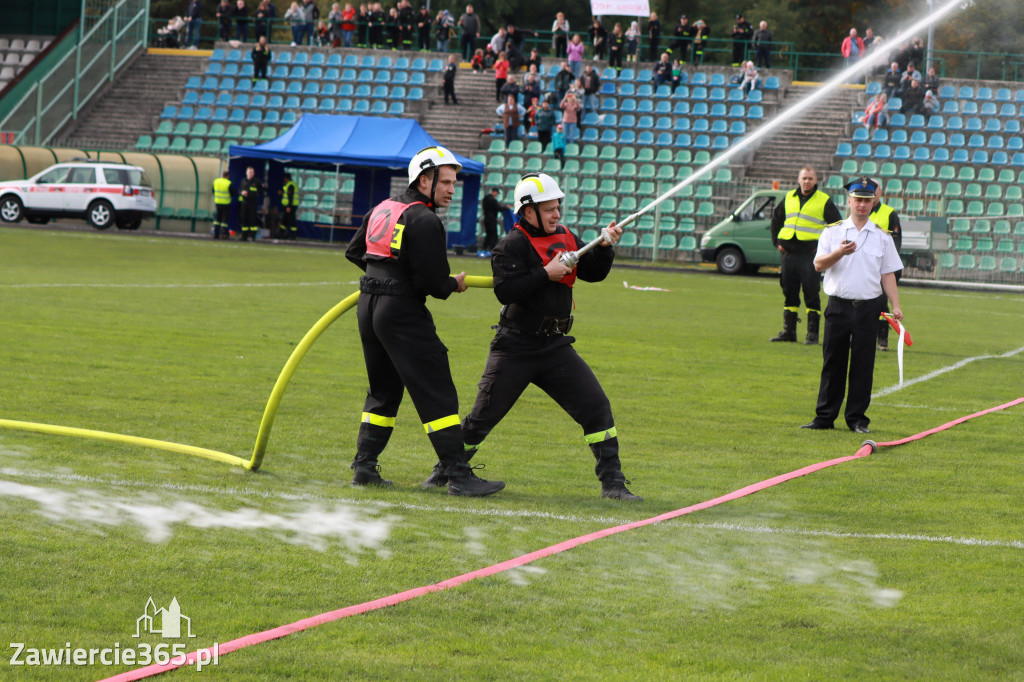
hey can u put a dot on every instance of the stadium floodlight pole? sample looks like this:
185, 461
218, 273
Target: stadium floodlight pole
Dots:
571, 258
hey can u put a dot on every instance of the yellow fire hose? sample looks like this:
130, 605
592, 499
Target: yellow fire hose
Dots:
267, 423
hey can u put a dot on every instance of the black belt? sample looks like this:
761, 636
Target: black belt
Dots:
549, 326
390, 287
855, 302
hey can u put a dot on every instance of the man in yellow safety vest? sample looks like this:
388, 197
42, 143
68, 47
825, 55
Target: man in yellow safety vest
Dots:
796, 225
223, 192
289, 206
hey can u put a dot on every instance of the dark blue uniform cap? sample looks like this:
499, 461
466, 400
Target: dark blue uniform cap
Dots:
861, 187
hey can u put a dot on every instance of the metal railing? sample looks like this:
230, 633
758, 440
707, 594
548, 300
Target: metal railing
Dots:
105, 46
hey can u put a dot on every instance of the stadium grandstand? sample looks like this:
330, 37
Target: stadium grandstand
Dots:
961, 169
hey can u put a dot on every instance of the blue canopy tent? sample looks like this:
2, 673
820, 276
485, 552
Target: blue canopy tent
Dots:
372, 149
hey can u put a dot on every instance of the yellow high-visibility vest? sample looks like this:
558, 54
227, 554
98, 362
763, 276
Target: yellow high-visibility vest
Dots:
295, 194
881, 215
805, 223
222, 191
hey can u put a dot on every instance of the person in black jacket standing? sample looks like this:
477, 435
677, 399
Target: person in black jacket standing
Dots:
401, 246
532, 344
449, 79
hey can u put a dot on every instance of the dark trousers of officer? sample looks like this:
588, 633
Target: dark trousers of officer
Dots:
850, 329
739, 51
402, 352
490, 232
798, 273
551, 363
449, 91
652, 50
220, 221
288, 226
250, 220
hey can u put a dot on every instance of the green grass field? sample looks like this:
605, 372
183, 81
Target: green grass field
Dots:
903, 565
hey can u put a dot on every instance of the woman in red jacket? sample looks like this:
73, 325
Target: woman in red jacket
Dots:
500, 75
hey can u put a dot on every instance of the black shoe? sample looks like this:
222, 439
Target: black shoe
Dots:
883, 344
818, 426
618, 491
463, 482
859, 428
437, 479
369, 474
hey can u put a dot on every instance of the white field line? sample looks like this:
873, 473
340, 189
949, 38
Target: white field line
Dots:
944, 370
238, 493
209, 285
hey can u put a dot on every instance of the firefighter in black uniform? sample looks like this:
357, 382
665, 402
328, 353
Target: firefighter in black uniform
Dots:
532, 344
402, 246
797, 223
252, 189
888, 220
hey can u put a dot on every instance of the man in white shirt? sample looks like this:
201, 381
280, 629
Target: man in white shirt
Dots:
858, 260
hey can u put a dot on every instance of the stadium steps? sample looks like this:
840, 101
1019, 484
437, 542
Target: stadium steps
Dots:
129, 107
810, 138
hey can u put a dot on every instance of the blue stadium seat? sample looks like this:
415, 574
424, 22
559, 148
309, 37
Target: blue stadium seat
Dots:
334, 60
645, 90
860, 134
863, 151
701, 125
194, 83
418, 64
435, 65
627, 136
191, 97
921, 154
326, 106
281, 58
966, 92
362, 91
343, 106
217, 55
699, 93
756, 112
415, 94
382, 76
684, 141
771, 83
301, 58
315, 73
755, 97
379, 108
717, 80
311, 88
702, 142
396, 109
700, 109
230, 69
950, 106
379, 92
984, 94
214, 69
873, 88
317, 59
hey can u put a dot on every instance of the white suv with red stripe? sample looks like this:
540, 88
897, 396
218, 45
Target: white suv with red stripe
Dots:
102, 193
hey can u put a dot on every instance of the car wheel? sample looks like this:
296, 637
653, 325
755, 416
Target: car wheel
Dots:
730, 261
129, 224
11, 210
100, 215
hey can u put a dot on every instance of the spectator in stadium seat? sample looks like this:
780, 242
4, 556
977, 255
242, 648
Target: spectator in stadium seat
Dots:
591, 86
310, 15
510, 89
683, 34
224, 15
563, 81
497, 41
570, 116
558, 145
265, 15
423, 24
500, 75
575, 58
916, 53
560, 35
653, 37
348, 24
663, 71
742, 33
170, 36
334, 21
469, 26
913, 99
763, 46
876, 113
616, 47
751, 79
931, 103
701, 33
241, 17
532, 88
478, 62
598, 38
295, 20
892, 83
852, 47
931, 81
194, 17
489, 57
632, 41
511, 113
534, 62
261, 57
514, 54
544, 121
443, 25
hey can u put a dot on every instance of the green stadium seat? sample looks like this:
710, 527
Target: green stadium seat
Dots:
961, 226
144, 143
687, 243
926, 172
953, 190
984, 245
1008, 265
987, 264
178, 145
947, 261
966, 262
963, 244
1004, 246
706, 209
195, 146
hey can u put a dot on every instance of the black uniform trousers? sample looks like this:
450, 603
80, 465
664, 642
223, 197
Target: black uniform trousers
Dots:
221, 220
798, 273
250, 218
850, 329
402, 351
551, 363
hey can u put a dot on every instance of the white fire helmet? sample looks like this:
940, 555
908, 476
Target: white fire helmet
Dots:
431, 157
535, 188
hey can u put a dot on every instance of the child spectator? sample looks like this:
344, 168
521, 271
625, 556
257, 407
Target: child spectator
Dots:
751, 77
876, 114
632, 41
931, 103
500, 75
544, 120
570, 116
478, 61
558, 145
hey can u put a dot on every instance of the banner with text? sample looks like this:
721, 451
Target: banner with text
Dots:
620, 8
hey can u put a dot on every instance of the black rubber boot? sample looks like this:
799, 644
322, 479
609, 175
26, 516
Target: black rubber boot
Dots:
788, 332
462, 481
609, 471
813, 322
367, 472
437, 478
883, 335
617, 490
